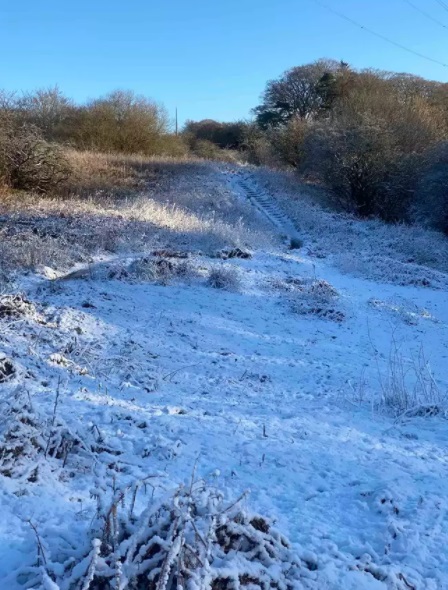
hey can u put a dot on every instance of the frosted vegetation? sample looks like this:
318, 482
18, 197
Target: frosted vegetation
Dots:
178, 386
220, 368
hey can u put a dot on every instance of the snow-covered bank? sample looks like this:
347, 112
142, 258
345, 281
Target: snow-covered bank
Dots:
157, 378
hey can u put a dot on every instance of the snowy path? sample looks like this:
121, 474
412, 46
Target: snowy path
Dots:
263, 398
246, 187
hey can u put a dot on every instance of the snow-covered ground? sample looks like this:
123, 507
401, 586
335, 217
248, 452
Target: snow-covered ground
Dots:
321, 392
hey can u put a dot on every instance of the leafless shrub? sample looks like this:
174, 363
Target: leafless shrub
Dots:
223, 135
191, 539
431, 206
224, 277
367, 173
7, 369
20, 439
28, 162
228, 253
210, 151
289, 141
322, 290
121, 122
48, 110
259, 149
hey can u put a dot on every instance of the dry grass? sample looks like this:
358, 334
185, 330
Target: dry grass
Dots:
96, 173
121, 204
407, 385
224, 277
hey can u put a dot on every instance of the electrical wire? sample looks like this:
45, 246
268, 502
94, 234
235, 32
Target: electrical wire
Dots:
442, 4
379, 35
429, 16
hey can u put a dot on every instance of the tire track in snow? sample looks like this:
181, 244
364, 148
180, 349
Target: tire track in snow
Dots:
267, 205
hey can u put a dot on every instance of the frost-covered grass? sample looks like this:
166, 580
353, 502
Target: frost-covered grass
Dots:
135, 376
132, 392
166, 202
316, 298
224, 277
369, 248
408, 386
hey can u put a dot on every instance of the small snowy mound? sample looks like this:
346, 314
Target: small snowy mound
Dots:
16, 307
317, 298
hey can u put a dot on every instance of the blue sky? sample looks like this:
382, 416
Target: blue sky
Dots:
210, 58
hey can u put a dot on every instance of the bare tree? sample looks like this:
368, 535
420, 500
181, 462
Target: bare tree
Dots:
122, 122
46, 108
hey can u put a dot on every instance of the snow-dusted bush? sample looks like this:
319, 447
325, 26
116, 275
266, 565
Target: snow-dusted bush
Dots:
191, 540
224, 277
228, 253
316, 297
161, 270
28, 162
21, 439
14, 307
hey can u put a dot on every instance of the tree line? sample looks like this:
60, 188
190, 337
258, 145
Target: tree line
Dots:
121, 121
34, 126
378, 141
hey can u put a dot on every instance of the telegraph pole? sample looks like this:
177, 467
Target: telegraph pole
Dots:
176, 121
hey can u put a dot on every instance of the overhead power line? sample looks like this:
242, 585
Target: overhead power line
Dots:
429, 16
442, 4
383, 37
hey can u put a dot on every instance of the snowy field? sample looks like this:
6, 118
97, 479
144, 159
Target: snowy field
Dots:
315, 379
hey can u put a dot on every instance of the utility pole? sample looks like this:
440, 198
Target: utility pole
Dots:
176, 121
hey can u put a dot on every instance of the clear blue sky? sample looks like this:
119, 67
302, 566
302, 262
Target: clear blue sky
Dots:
211, 58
